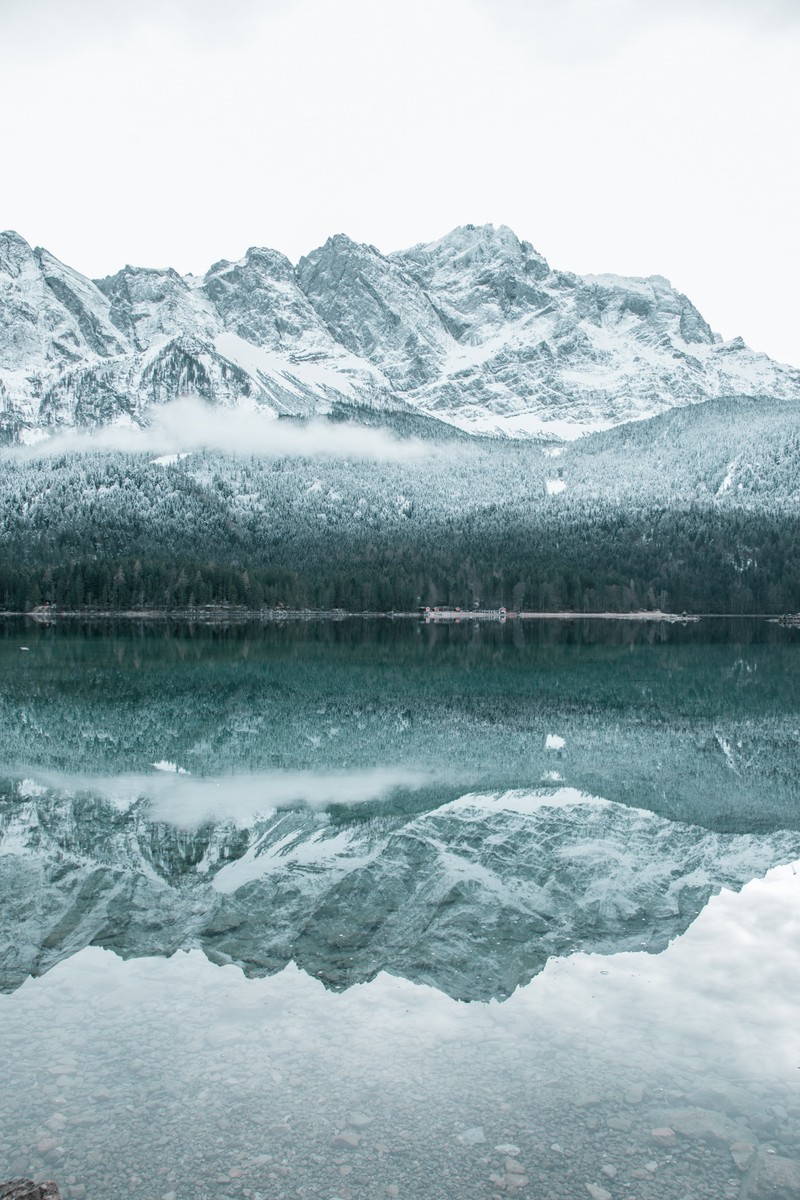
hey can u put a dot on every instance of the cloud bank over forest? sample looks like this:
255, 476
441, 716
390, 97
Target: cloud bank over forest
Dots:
190, 424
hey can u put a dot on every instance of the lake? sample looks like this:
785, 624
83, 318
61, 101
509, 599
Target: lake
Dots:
358, 909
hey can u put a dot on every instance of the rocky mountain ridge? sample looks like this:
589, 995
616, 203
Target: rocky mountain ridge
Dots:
472, 897
475, 330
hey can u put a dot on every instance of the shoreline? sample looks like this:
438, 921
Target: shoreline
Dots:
224, 615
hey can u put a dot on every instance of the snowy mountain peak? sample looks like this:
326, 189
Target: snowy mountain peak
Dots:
15, 253
474, 329
51, 317
467, 245
271, 262
150, 305
375, 309
652, 299
479, 278
258, 299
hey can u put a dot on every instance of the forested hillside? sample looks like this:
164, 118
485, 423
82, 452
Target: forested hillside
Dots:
696, 509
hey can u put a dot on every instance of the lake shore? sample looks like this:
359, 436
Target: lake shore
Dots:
223, 614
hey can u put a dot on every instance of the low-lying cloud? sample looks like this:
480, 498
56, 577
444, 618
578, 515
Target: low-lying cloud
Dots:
187, 801
189, 424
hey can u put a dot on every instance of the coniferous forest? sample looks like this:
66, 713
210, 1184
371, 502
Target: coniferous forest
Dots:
696, 510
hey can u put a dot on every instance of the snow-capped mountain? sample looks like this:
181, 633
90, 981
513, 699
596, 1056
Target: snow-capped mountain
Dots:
476, 330
472, 897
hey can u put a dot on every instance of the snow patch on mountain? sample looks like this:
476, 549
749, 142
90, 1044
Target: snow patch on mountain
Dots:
472, 897
475, 330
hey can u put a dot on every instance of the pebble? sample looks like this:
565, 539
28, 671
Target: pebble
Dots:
169, 1138
620, 1124
742, 1154
347, 1138
472, 1137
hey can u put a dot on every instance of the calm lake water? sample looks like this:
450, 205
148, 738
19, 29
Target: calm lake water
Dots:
370, 909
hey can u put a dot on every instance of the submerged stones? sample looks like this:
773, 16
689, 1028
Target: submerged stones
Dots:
26, 1189
702, 1124
772, 1177
348, 1139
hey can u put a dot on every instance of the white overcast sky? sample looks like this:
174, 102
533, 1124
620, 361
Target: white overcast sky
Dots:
633, 136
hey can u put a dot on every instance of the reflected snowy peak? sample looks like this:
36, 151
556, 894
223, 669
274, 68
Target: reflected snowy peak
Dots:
472, 896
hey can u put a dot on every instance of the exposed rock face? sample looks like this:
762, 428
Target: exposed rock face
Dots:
258, 299
51, 316
148, 306
375, 309
482, 278
476, 330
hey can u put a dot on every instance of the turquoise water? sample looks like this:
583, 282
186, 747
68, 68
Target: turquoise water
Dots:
338, 909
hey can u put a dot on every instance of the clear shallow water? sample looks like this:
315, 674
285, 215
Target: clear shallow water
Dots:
426, 892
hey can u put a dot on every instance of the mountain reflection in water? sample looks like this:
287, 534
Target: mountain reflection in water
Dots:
248, 877
179, 1074
472, 896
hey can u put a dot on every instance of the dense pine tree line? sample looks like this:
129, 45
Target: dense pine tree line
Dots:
693, 560
695, 511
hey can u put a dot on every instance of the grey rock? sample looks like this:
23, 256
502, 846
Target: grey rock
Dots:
620, 1124
473, 1136
742, 1154
703, 1124
348, 1139
358, 1120
772, 1177
26, 1189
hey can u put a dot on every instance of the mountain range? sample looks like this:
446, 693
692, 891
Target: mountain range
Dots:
472, 898
475, 330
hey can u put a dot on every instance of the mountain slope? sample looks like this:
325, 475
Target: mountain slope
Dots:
475, 330
471, 898
544, 351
